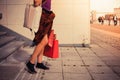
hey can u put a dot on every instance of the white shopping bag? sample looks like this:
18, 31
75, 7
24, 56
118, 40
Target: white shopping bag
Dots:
29, 16
32, 17
37, 17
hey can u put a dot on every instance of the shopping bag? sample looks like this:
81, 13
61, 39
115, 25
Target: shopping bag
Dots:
32, 17
52, 52
29, 16
51, 38
37, 17
37, 2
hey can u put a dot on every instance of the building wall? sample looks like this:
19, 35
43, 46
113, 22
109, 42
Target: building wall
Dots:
71, 24
117, 12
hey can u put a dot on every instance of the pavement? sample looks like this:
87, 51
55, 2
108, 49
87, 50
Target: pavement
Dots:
99, 61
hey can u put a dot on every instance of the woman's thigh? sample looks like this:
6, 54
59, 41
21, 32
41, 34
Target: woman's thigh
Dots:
44, 41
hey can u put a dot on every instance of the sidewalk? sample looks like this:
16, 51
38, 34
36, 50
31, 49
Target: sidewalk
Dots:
77, 63
100, 61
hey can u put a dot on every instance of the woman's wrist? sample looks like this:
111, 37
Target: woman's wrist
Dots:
37, 2
36, 5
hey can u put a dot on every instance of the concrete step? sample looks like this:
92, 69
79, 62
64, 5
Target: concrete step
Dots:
9, 48
9, 72
6, 39
19, 56
3, 33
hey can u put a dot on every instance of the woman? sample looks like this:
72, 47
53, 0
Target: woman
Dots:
41, 38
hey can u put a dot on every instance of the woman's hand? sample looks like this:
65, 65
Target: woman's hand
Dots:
37, 2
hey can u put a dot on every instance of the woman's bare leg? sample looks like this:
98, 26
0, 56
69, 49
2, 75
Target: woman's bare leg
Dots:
40, 56
36, 53
38, 50
41, 65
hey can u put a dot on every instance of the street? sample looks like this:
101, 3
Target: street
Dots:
104, 34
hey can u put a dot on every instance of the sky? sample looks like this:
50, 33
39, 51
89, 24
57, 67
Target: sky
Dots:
104, 5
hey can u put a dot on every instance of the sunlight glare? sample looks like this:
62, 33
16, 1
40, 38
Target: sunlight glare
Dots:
102, 5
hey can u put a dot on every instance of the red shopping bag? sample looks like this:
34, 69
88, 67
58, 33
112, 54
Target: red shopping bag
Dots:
52, 52
51, 38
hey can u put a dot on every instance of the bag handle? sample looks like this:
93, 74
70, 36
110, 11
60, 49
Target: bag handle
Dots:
29, 2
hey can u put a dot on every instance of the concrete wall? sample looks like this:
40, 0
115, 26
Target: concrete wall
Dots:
72, 22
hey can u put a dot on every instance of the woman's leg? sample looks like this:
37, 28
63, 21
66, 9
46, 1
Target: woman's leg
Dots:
38, 50
40, 56
39, 61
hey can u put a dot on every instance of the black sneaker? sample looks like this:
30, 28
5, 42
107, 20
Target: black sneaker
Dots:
42, 66
30, 68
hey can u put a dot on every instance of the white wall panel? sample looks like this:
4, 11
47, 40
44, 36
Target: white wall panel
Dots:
15, 14
4, 14
64, 33
63, 14
21, 30
76, 16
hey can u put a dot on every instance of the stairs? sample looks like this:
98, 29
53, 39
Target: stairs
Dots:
15, 50
8, 45
6, 39
12, 55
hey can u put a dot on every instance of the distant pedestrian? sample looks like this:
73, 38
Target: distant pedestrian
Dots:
99, 19
115, 20
102, 20
109, 20
119, 21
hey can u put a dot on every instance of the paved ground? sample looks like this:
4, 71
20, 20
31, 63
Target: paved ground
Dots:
100, 61
106, 27
106, 34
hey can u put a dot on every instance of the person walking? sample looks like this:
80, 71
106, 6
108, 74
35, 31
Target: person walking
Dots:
115, 20
102, 20
41, 38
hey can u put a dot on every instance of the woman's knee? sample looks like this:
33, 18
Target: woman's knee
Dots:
44, 41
